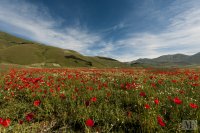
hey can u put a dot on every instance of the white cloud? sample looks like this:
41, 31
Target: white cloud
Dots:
182, 35
40, 26
118, 26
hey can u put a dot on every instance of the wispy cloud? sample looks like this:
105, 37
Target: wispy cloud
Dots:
36, 23
182, 35
119, 26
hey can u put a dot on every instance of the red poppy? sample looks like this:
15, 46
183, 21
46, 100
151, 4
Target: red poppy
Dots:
21, 122
1, 120
177, 100
36, 103
160, 81
70, 76
143, 94
153, 85
195, 84
51, 90
90, 88
89, 123
160, 121
174, 81
58, 89
93, 99
6, 122
108, 94
156, 101
76, 89
62, 96
122, 86
193, 105
29, 116
147, 106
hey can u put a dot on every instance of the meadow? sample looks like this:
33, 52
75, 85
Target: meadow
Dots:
98, 100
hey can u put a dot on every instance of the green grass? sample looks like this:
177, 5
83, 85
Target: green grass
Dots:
22, 54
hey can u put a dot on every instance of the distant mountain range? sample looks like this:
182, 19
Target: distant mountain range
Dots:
169, 60
14, 50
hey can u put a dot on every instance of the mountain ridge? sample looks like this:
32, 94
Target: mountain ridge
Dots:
170, 59
15, 50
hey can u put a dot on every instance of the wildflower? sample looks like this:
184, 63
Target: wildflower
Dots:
21, 122
177, 100
58, 89
89, 123
36, 103
90, 88
62, 96
147, 106
153, 85
93, 99
29, 117
1, 120
6, 122
51, 90
142, 94
160, 121
174, 81
193, 105
76, 89
108, 94
156, 101
70, 76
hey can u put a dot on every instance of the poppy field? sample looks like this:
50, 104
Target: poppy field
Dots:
98, 100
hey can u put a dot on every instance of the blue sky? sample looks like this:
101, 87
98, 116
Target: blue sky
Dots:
122, 29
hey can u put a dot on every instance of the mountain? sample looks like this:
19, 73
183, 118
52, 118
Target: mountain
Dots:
14, 50
169, 60
194, 59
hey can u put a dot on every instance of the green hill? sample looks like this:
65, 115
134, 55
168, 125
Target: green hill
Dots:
14, 50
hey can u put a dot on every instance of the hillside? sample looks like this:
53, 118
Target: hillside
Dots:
170, 60
15, 50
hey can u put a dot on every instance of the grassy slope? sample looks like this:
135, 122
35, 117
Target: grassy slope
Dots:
19, 51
